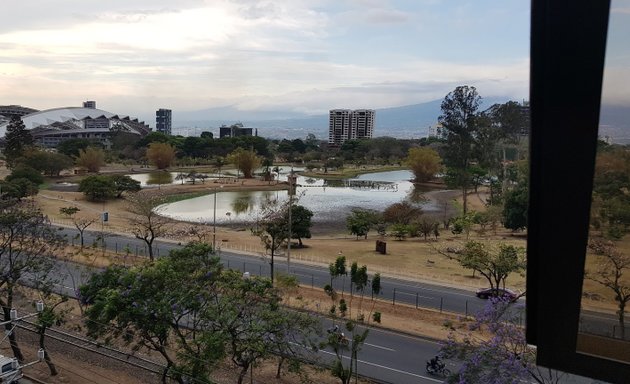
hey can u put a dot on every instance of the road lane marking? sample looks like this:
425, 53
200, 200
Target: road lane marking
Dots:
380, 347
389, 368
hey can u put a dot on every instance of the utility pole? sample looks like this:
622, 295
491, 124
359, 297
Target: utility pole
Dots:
292, 186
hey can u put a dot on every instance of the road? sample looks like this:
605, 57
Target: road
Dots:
388, 356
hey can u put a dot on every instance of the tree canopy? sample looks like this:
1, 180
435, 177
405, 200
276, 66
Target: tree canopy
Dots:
424, 163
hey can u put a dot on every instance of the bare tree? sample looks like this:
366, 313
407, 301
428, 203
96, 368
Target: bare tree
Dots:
610, 269
146, 223
80, 223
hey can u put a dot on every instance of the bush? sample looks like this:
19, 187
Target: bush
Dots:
376, 316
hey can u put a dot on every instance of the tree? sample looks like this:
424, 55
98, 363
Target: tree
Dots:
161, 154
459, 121
49, 163
493, 264
146, 223
272, 229
339, 347
28, 244
47, 318
97, 187
80, 223
245, 161
25, 172
17, 140
424, 163
124, 183
360, 221
515, 207
249, 315
402, 213
400, 231
493, 349
71, 147
300, 223
123, 306
91, 158
611, 266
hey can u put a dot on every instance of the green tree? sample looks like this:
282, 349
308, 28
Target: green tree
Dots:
49, 163
340, 348
91, 158
272, 229
245, 161
28, 245
97, 187
300, 223
161, 154
124, 183
360, 221
17, 140
495, 265
146, 223
25, 172
424, 163
460, 123
123, 306
400, 231
515, 208
71, 147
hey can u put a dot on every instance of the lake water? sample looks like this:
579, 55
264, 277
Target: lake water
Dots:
330, 200
162, 178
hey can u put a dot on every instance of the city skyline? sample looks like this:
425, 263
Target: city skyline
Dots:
294, 57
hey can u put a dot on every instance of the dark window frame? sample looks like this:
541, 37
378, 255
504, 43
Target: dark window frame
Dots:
568, 43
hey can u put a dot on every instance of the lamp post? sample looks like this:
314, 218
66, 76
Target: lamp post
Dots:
214, 220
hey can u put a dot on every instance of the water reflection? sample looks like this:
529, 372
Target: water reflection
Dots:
330, 200
159, 178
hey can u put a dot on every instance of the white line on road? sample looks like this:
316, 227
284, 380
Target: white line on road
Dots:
378, 346
389, 368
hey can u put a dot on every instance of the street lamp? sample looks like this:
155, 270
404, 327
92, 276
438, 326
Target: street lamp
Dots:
214, 221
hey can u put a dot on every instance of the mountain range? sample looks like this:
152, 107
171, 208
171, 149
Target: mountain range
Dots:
409, 121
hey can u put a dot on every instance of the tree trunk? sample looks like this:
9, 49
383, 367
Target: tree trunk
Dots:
242, 374
17, 352
279, 367
465, 199
47, 359
149, 244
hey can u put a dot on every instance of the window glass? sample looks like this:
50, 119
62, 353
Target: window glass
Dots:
604, 330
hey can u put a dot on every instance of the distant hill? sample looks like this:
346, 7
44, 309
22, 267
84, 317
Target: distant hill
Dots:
409, 121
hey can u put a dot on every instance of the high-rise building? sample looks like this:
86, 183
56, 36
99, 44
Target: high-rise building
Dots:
346, 124
163, 121
89, 104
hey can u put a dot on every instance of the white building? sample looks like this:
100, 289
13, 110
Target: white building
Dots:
346, 124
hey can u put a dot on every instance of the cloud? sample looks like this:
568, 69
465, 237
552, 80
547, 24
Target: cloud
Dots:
386, 16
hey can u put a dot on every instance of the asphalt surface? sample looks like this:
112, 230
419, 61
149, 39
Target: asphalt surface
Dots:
387, 356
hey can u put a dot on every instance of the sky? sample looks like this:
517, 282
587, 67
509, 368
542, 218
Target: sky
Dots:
297, 56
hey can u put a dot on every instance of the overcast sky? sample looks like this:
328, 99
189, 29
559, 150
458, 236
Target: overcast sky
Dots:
134, 56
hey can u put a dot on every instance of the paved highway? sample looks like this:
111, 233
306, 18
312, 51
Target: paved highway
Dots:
388, 356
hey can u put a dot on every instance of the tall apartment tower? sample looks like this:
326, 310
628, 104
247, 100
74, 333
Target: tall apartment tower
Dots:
339, 126
89, 104
163, 121
346, 124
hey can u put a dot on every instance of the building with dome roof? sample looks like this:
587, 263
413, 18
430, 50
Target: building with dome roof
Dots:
53, 126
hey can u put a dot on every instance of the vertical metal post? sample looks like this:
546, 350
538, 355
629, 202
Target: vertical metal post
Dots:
441, 303
466, 308
416, 300
394, 298
312, 281
214, 222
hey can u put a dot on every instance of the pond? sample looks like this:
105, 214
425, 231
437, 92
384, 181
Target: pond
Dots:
162, 178
330, 200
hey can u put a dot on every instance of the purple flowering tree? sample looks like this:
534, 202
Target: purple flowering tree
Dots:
493, 349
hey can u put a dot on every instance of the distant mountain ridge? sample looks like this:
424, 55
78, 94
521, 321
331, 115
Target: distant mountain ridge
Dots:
409, 121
